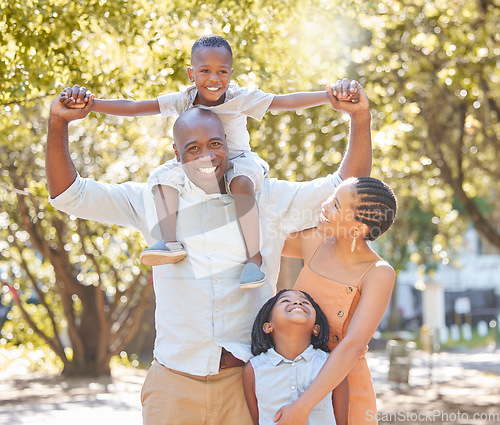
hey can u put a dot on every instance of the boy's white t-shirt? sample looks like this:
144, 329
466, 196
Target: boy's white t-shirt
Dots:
239, 104
279, 381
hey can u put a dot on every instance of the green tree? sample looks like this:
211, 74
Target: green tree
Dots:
90, 286
91, 291
431, 67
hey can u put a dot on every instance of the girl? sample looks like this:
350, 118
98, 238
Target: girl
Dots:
353, 286
289, 340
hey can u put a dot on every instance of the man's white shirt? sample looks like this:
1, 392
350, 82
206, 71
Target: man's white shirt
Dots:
200, 306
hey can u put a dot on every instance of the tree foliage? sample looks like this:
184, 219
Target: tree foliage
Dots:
430, 69
86, 276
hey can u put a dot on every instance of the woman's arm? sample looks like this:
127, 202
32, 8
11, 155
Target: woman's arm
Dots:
249, 390
375, 295
293, 246
302, 244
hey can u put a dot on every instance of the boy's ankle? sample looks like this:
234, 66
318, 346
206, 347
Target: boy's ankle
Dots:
256, 259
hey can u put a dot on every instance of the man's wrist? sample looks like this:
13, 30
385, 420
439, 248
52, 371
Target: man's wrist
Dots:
362, 115
56, 119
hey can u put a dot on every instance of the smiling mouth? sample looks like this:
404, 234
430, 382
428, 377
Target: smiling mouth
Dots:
207, 170
301, 309
214, 89
322, 217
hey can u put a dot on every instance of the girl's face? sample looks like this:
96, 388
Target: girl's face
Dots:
211, 70
291, 308
338, 213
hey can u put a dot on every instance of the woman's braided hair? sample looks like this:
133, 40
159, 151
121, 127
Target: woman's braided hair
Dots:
261, 341
376, 205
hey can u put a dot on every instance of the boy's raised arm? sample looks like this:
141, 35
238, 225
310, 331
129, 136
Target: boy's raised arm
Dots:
304, 100
127, 108
299, 100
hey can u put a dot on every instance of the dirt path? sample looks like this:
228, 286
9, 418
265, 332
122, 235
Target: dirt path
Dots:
464, 389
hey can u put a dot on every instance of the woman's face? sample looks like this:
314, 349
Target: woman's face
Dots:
338, 213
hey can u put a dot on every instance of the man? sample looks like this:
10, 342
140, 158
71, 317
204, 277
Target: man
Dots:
203, 318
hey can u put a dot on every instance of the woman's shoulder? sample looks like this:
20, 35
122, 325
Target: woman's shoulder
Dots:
379, 272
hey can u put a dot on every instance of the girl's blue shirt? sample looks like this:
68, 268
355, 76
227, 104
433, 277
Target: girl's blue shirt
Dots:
279, 381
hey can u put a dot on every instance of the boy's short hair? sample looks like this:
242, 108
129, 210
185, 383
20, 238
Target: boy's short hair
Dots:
211, 41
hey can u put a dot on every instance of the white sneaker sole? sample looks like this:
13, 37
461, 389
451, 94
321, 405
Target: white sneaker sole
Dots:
251, 285
159, 258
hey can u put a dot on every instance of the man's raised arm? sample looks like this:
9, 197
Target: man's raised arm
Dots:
59, 167
357, 160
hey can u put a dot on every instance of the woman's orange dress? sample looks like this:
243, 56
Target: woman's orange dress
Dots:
339, 302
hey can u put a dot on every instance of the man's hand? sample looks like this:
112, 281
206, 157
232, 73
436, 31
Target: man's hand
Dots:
348, 97
61, 109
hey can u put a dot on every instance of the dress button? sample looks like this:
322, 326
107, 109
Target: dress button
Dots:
293, 387
340, 314
335, 338
293, 364
349, 290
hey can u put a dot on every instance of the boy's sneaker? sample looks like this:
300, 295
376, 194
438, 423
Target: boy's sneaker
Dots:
163, 253
252, 276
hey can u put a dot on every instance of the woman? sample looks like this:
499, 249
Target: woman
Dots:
352, 284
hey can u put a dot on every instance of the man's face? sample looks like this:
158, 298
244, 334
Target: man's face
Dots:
201, 148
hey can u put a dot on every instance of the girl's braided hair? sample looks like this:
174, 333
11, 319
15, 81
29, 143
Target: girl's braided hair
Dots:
261, 341
376, 206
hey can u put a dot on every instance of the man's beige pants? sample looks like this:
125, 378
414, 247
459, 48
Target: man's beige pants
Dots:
174, 398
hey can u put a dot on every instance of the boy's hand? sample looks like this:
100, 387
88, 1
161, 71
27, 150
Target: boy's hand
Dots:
76, 97
61, 112
345, 90
348, 96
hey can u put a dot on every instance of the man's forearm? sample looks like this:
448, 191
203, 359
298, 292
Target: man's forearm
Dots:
357, 161
59, 168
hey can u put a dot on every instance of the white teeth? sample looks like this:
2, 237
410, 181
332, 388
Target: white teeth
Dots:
323, 217
207, 170
297, 309
213, 88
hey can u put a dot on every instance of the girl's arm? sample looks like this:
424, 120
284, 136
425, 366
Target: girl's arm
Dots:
341, 402
249, 390
375, 295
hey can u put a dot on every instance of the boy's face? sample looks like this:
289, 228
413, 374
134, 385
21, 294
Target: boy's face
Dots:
211, 70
